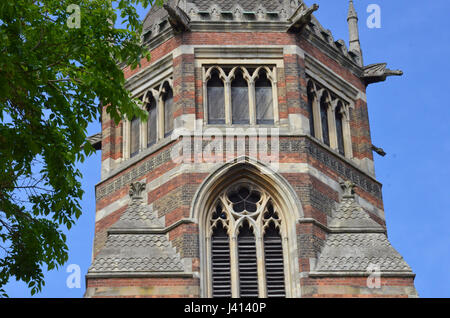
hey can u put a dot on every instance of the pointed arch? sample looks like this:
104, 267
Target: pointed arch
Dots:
283, 195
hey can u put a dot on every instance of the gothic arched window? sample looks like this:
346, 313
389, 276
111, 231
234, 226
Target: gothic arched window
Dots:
168, 109
216, 99
246, 245
134, 136
338, 113
241, 95
324, 119
311, 97
329, 115
151, 121
239, 99
264, 98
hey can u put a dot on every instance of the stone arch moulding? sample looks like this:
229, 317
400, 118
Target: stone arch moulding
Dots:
269, 180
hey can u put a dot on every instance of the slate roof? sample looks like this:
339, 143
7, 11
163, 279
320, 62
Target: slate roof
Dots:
134, 252
350, 215
247, 5
357, 241
133, 245
355, 252
138, 216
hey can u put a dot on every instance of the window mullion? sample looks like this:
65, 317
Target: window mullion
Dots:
332, 124
160, 124
317, 115
209, 266
234, 267
228, 110
347, 132
276, 114
262, 290
205, 97
252, 101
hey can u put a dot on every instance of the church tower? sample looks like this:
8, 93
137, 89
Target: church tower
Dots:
253, 175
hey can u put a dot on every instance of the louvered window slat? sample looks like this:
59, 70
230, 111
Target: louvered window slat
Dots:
248, 268
221, 274
273, 251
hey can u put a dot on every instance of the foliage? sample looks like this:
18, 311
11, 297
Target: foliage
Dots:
53, 80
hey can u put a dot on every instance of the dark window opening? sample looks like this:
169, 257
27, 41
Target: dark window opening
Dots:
311, 109
135, 136
151, 122
216, 99
339, 129
168, 110
239, 99
324, 120
264, 100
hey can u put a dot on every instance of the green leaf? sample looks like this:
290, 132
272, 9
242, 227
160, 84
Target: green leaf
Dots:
52, 79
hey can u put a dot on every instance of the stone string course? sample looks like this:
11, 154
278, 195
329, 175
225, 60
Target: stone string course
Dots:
301, 145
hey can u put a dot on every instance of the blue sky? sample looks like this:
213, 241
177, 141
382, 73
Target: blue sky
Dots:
409, 118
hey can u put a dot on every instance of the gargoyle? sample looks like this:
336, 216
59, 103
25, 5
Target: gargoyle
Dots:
301, 17
178, 19
376, 73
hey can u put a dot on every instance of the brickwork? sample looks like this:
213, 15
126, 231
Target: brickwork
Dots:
172, 190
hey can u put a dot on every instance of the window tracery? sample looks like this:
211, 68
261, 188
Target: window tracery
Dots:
246, 245
158, 102
329, 117
240, 95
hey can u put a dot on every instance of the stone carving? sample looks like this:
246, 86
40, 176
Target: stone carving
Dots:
215, 13
260, 13
193, 13
342, 47
136, 189
95, 141
178, 19
301, 17
349, 188
238, 13
375, 73
155, 29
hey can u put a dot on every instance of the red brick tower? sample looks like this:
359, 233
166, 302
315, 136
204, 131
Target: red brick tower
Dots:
254, 174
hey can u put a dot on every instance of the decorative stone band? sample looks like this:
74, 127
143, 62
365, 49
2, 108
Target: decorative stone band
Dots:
140, 275
315, 274
337, 230
163, 230
345, 168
